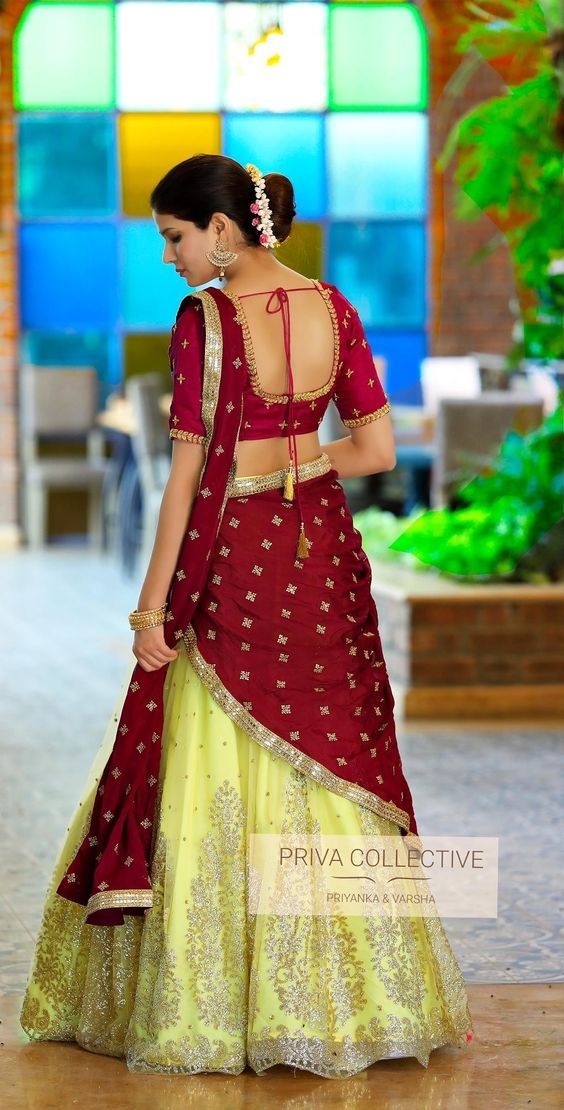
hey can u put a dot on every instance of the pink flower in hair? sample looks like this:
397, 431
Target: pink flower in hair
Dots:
261, 206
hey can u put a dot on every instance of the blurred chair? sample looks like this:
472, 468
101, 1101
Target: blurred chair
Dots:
494, 372
60, 403
151, 448
469, 433
449, 377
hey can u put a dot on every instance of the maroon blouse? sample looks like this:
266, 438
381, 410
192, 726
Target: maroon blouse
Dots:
353, 383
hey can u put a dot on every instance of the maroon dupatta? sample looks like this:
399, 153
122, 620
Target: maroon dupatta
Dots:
110, 872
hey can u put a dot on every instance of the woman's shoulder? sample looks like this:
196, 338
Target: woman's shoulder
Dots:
186, 303
339, 298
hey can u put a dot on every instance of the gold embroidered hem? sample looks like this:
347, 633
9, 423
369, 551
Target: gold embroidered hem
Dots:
302, 762
197, 983
190, 437
368, 418
103, 900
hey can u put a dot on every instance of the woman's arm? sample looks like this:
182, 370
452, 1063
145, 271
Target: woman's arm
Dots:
149, 645
368, 450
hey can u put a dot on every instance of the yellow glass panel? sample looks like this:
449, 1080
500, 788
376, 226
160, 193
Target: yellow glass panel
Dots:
151, 143
304, 249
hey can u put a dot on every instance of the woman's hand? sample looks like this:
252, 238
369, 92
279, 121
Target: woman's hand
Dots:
151, 650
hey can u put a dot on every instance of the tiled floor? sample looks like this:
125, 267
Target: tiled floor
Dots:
66, 650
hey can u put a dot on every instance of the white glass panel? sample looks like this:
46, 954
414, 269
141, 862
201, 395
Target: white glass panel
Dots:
168, 56
279, 73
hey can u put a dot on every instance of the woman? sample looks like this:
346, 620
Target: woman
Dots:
259, 703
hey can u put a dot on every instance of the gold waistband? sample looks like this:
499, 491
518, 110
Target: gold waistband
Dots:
256, 483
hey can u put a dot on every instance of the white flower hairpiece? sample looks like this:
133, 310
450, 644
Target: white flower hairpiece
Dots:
261, 208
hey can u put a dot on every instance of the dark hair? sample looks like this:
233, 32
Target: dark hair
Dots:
206, 183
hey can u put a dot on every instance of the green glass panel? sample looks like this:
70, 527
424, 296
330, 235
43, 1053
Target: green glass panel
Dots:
377, 57
64, 56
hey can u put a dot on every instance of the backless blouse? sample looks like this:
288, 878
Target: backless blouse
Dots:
352, 382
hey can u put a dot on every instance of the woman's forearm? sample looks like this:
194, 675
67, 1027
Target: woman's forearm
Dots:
349, 460
176, 506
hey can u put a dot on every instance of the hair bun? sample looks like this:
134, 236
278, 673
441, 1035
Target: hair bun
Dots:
280, 193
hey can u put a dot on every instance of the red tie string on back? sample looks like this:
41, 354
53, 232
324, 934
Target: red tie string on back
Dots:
283, 306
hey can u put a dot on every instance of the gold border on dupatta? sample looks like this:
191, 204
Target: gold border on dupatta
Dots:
213, 357
115, 899
283, 748
213, 361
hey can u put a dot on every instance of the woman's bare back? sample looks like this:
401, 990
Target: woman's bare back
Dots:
312, 345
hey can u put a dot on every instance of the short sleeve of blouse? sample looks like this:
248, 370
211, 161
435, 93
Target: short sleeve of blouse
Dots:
186, 358
359, 394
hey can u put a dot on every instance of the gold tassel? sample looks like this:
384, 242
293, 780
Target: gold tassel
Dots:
289, 486
302, 551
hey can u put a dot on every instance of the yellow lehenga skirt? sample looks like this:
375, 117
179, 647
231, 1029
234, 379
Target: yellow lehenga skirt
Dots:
198, 984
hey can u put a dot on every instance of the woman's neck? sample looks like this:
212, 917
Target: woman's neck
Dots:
257, 269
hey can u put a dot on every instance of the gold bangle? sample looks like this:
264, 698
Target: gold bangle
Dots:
147, 618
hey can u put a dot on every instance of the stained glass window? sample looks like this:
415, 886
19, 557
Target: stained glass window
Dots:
110, 95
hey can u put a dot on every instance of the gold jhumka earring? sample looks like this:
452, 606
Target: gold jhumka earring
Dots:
221, 256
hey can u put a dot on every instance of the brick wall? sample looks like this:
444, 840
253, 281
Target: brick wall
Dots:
472, 651
469, 301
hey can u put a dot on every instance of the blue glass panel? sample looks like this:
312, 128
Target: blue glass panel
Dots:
68, 276
403, 351
292, 144
66, 165
377, 164
380, 267
151, 289
73, 349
